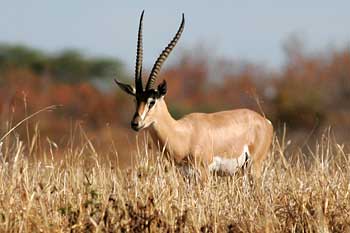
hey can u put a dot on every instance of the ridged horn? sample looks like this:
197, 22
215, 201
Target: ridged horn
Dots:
139, 53
163, 56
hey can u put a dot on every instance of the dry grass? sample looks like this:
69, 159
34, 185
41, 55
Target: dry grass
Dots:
86, 193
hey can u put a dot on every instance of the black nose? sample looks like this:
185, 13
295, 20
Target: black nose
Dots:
134, 125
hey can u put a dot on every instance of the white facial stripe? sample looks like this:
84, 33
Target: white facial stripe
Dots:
145, 110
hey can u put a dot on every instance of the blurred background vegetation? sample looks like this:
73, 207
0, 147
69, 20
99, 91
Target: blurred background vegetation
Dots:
309, 93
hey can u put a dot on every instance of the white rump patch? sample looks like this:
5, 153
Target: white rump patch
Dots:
230, 166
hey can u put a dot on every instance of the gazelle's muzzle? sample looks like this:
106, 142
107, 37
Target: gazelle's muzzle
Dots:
136, 123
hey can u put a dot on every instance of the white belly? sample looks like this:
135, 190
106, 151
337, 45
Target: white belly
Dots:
230, 166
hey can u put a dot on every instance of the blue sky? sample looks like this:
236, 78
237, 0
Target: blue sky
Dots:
248, 30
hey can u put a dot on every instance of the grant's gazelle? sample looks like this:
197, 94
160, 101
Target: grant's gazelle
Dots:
222, 141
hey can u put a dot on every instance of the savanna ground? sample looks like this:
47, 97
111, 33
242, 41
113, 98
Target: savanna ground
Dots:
84, 191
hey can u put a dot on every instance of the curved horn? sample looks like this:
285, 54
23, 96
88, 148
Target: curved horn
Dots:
138, 66
163, 56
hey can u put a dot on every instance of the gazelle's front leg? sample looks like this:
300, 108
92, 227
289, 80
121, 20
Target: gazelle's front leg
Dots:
230, 166
188, 171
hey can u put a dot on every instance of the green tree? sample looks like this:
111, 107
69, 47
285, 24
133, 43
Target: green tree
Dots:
22, 56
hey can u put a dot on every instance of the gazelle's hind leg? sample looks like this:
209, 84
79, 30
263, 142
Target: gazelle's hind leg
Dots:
230, 166
259, 154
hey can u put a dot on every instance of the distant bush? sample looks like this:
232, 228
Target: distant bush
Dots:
67, 66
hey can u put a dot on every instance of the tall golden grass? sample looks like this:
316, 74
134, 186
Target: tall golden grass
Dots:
86, 191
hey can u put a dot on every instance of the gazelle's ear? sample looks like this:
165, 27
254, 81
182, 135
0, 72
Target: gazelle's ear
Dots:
162, 88
125, 87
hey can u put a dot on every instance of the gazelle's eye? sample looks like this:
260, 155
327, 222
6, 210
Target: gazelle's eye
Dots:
151, 103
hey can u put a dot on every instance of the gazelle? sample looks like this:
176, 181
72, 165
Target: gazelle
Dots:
222, 141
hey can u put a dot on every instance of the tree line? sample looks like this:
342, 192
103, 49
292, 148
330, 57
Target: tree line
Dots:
69, 65
309, 93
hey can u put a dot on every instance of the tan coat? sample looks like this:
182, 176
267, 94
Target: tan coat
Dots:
201, 136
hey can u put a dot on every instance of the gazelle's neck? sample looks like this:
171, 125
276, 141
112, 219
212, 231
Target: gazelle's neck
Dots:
168, 132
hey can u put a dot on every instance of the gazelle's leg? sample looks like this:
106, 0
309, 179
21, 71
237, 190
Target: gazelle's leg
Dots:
188, 171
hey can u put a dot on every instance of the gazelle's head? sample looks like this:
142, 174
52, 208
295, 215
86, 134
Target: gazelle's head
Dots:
146, 98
